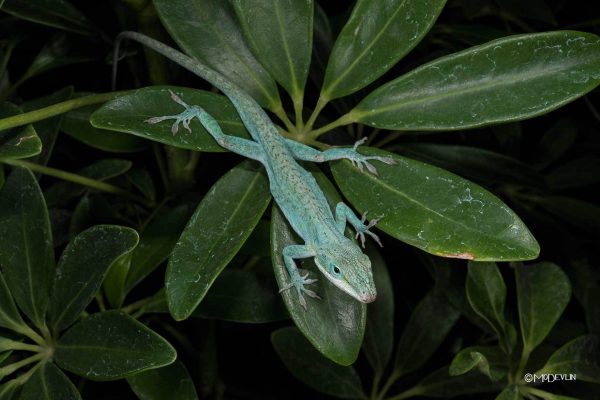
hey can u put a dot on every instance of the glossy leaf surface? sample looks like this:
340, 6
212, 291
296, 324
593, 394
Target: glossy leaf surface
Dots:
49, 383
18, 142
170, 382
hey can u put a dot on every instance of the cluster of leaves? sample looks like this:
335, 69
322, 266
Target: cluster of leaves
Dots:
340, 86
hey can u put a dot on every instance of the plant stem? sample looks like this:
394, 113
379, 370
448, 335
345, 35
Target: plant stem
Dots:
57, 109
388, 384
10, 368
313, 117
298, 107
81, 180
522, 364
341, 121
280, 113
137, 305
8, 344
406, 394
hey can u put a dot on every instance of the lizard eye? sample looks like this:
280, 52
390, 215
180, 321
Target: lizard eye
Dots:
336, 270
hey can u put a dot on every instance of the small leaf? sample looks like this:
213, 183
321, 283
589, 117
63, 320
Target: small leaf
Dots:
440, 384
209, 32
113, 286
82, 268
335, 324
18, 142
125, 347
9, 315
157, 240
314, 370
280, 34
427, 327
435, 210
222, 222
129, 114
555, 142
508, 79
26, 248
510, 392
489, 360
49, 383
486, 293
580, 356
368, 47
543, 292
379, 332
55, 13
77, 125
170, 382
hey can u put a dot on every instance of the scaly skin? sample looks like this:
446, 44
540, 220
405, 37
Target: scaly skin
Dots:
294, 189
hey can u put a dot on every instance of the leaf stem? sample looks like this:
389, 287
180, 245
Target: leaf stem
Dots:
522, 363
10, 368
8, 344
321, 102
341, 121
57, 109
298, 108
81, 180
280, 113
388, 384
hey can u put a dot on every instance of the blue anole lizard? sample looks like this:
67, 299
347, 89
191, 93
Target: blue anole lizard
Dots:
294, 189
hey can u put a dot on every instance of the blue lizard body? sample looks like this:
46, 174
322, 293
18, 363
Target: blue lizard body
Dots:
294, 189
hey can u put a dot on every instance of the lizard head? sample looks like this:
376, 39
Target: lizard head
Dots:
349, 269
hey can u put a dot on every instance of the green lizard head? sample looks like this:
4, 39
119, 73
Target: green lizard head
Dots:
349, 269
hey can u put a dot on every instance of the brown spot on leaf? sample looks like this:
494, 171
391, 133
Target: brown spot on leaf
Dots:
464, 256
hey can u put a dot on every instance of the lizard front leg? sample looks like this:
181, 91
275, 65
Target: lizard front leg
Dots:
343, 213
306, 153
296, 280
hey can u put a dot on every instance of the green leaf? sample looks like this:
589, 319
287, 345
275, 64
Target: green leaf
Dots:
486, 293
428, 325
543, 292
555, 142
82, 268
18, 142
141, 179
322, 45
280, 34
379, 332
49, 383
511, 392
9, 315
314, 370
508, 79
77, 125
367, 48
568, 175
440, 384
209, 32
62, 192
436, 211
10, 389
489, 360
170, 382
580, 356
55, 13
222, 222
128, 114
157, 240
335, 324
114, 283
124, 348
26, 248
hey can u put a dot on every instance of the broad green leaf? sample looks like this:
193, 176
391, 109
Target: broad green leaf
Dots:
129, 113
322, 45
511, 392
9, 315
379, 332
366, 48
62, 192
435, 210
489, 360
236, 296
18, 142
441, 385
334, 324
55, 13
569, 175
26, 248
543, 292
77, 125
427, 327
157, 240
580, 356
480, 165
508, 79
314, 370
222, 222
486, 293
82, 267
280, 35
47, 129
49, 383
124, 348
170, 382
209, 32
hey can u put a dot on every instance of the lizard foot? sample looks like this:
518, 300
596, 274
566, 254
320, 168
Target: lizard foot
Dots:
298, 281
361, 161
184, 118
361, 230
